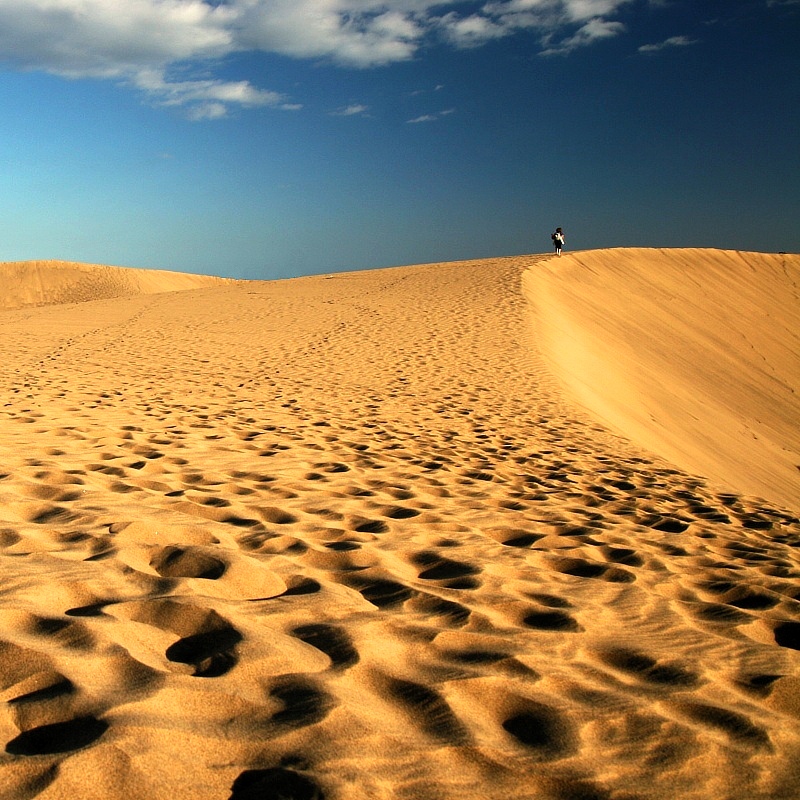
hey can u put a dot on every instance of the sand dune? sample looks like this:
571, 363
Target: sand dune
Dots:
38, 283
695, 354
353, 536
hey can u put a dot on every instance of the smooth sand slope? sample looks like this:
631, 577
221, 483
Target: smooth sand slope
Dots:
40, 283
695, 354
348, 537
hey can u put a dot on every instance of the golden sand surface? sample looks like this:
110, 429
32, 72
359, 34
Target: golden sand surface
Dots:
40, 283
694, 354
405, 533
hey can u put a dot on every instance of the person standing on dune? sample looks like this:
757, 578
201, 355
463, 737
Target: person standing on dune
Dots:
558, 240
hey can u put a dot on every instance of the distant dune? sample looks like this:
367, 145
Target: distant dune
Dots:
37, 283
694, 354
466, 531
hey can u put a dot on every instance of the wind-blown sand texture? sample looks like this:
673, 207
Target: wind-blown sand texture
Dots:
361, 536
40, 283
694, 354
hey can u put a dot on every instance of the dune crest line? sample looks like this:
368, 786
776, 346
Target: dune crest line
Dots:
39, 283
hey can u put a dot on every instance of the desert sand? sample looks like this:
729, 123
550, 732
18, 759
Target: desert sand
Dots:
512, 528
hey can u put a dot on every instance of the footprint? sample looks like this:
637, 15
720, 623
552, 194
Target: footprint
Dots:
59, 737
63, 632
720, 613
9, 537
365, 525
39, 687
208, 641
186, 562
752, 599
453, 613
211, 653
622, 555
756, 522
300, 585
331, 640
592, 569
344, 546
736, 726
399, 512
550, 600
476, 657
760, 683
787, 634
666, 524
275, 783
274, 515
648, 669
383, 593
46, 514
438, 568
580, 568
513, 537
542, 730
429, 709
303, 702
552, 621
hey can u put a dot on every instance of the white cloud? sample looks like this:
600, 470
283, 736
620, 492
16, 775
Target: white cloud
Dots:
431, 117
206, 99
163, 47
589, 33
549, 19
673, 41
471, 31
207, 111
582, 10
109, 38
353, 110
359, 33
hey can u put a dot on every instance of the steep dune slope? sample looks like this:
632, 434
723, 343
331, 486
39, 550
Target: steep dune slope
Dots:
693, 354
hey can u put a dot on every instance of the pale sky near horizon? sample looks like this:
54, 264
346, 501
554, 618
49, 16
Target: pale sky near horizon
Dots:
274, 138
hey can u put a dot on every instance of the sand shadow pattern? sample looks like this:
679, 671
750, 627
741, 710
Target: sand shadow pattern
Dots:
542, 730
648, 669
58, 737
207, 640
428, 709
736, 726
303, 702
187, 562
275, 783
332, 640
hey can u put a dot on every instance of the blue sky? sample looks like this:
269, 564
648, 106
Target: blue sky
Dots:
272, 138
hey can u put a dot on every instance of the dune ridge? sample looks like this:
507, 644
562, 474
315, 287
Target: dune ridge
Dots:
348, 536
694, 354
37, 283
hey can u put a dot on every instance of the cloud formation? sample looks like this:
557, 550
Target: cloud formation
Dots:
161, 46
431, 117
673, 41
353, 110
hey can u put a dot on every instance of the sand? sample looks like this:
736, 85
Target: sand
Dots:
703, 367
431, 532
